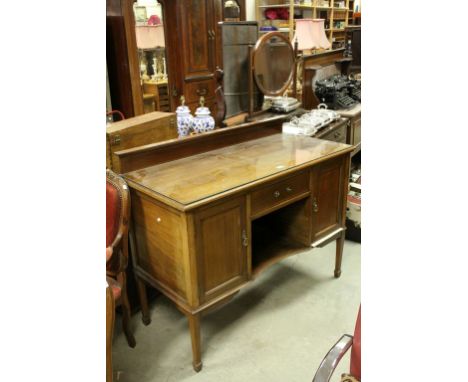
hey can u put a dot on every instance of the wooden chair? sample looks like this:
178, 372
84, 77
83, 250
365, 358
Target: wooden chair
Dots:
117, 220
333, 357
110, 318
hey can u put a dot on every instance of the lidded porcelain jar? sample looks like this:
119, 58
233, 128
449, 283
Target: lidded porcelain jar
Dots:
203, 121
231, 11
184, 118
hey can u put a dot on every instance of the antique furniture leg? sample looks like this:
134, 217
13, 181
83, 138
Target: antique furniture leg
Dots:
110, 317
194, 325
141, 286
145, 316
126, 311
339, 254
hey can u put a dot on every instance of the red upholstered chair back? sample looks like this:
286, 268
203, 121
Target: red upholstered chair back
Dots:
355, 369
117, 222
117, 219
113, 211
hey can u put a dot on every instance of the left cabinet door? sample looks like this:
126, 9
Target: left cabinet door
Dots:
221, 248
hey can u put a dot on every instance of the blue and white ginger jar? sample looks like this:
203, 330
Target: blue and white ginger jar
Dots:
203, 121
184, 119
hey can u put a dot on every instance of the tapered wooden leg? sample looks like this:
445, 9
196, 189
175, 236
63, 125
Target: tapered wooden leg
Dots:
126, 311
194, 325
339, 254
145, 315
110, 314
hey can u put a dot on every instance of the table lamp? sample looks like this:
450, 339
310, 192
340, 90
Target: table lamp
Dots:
310, 34
151, 37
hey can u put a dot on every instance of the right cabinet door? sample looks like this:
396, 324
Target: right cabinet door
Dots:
327, 185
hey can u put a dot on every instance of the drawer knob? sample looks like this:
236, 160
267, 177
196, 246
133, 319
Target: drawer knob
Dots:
288, 189
276, 194
315, 205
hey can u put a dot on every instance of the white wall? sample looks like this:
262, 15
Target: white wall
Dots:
250, 10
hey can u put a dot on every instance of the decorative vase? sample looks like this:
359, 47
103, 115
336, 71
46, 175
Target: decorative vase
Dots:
231, 11
184, 118
203, 121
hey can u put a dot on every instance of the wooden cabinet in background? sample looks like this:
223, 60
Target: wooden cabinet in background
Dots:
354, 116
335, 133
197, 22
122, 68
338, 131
196, 48
190, 28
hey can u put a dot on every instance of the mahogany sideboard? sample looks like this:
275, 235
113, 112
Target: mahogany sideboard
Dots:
210, 212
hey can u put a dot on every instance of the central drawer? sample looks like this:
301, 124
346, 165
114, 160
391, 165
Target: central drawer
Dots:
278, 194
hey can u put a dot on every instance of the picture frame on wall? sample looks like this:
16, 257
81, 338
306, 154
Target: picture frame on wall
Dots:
140, 14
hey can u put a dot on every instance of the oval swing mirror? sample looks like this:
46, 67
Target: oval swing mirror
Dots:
273, 63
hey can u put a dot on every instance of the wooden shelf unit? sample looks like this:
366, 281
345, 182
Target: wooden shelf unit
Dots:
315, 9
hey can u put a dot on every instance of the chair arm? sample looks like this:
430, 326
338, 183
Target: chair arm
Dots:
117, 243
118, 261
333, 357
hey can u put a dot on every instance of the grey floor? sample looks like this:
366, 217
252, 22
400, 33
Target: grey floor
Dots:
276, 329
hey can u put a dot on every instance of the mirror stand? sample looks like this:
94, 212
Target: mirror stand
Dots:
251, 78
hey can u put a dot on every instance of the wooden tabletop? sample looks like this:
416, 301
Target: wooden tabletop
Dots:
200, 176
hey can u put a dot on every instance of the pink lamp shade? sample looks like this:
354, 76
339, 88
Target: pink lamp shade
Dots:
310, 34
149, 36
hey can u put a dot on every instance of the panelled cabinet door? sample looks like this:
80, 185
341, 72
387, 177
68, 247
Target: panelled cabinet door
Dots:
327, 197
197, 19
356, 131
221, 241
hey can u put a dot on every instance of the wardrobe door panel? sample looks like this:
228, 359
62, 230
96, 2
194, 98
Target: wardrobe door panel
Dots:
196, 17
